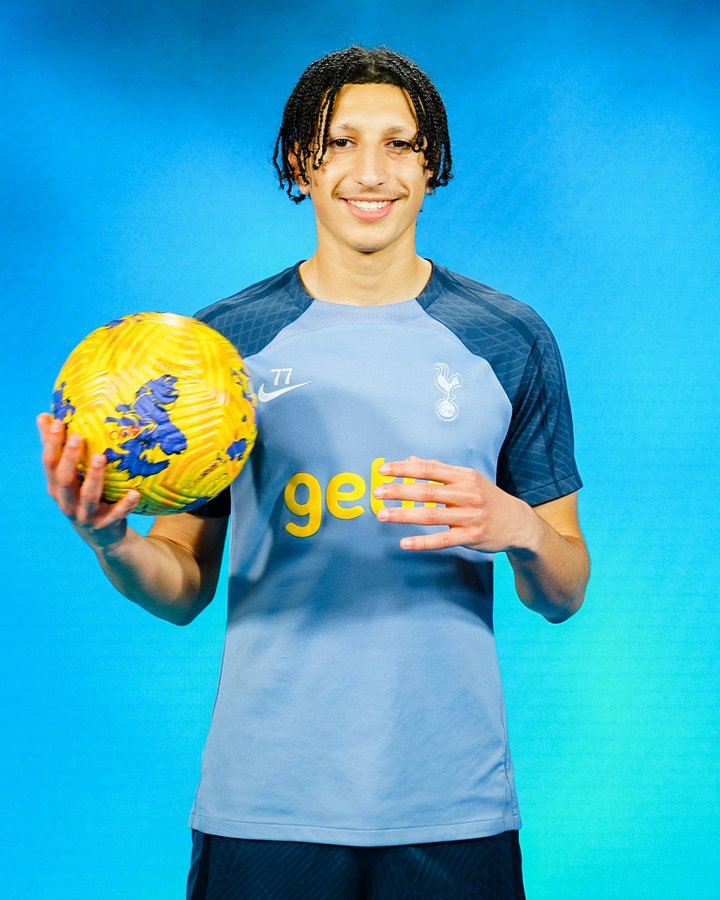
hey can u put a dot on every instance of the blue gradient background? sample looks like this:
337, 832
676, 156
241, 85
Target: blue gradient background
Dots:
136, 176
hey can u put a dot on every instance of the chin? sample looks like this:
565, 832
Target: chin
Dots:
369, 248
372, 244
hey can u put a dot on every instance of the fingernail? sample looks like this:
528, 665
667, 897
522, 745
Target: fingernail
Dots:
379, 492
97, 460
74, 440
56, 426
384, 468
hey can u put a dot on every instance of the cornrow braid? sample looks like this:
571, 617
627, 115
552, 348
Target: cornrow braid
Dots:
313, 101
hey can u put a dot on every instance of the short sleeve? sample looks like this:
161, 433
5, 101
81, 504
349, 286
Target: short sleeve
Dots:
537, 459
217, 508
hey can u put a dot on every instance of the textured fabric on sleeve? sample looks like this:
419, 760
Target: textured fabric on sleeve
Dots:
537, 461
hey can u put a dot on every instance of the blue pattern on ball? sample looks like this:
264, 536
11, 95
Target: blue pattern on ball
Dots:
151, 427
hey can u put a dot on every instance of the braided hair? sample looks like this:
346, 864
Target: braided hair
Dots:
313, 100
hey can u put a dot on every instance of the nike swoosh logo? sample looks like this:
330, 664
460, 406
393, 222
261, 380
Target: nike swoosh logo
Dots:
263, 395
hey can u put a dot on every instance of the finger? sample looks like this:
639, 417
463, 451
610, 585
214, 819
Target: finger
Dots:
118, 511
438, 540
66, 476
425, 515
90, 494
53, 439
431, 469
424, 492
43, 421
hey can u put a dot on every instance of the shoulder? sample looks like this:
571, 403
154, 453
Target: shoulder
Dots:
252, 295
481, 312
254, 315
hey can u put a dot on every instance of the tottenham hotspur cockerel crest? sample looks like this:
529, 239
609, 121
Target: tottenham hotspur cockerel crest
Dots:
446, 408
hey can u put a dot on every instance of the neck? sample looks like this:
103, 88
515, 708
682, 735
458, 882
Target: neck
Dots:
342, 275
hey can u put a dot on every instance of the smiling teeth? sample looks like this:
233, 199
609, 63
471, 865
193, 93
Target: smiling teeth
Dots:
369, 204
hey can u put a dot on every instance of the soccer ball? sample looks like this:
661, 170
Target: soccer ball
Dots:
168, 401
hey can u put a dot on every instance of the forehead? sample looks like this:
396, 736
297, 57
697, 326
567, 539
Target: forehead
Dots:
373, 107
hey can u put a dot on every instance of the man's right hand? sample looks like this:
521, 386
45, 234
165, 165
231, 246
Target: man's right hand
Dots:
99, 523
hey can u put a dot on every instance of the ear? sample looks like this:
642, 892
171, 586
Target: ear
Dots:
302, 185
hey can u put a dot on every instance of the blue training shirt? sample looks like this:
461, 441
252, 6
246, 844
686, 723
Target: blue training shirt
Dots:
360, 700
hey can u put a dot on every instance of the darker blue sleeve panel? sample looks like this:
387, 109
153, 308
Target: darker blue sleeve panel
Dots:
252, 318
536, 461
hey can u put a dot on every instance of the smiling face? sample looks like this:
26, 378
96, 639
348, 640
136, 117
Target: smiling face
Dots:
371, 185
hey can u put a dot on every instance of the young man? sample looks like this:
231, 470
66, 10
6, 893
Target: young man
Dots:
411, 424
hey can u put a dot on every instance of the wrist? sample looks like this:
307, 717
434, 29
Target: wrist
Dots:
113, 547
529, 535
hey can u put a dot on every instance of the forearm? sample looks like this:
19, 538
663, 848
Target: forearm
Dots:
161, 577
551, 570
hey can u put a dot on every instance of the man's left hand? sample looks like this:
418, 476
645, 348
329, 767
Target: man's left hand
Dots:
478, 513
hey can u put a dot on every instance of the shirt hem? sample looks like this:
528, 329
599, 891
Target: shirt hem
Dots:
354, 837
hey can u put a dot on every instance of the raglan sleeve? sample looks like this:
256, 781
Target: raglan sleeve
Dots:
537, 459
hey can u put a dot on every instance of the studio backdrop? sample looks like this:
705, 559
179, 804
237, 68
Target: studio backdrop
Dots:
137, 140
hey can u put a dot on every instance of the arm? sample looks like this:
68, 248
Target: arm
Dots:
544, 544
552, 565
172, 573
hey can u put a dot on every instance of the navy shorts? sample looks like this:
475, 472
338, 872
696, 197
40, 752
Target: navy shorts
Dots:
223, 868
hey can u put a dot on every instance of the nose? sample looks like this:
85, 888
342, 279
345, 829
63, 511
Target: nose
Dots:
370, 166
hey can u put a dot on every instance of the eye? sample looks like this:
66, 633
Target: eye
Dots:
340, 143
400, 145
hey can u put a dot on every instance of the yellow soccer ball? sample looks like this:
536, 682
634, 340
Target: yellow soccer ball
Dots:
169, 402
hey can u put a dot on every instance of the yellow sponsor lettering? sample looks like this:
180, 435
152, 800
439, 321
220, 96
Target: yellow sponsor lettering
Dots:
343, 488
335, 495
312, 507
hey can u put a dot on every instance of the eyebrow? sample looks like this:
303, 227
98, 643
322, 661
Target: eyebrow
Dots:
391, 129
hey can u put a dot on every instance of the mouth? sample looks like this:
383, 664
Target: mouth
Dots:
369, 209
